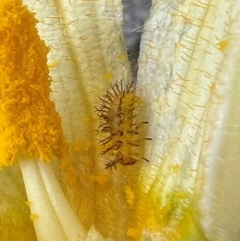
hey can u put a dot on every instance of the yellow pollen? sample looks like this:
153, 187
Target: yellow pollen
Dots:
132, 232
28, 203
129, 195
86, 119
100, 179
180, 195
29, 124
53, 64
176, 168
165, 210
222, 45
88, 145
122, 57
33, 217
108, 76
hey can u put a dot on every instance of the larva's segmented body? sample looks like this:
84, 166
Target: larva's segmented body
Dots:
119, 133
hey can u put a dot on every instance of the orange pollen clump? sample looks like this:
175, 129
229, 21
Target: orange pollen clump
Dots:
29, 124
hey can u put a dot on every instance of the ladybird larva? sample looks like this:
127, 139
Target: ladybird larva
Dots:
119, 131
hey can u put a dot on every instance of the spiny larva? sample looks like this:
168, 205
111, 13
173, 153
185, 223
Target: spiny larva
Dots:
120, 133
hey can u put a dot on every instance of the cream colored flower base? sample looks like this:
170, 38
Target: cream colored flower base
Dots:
51, 213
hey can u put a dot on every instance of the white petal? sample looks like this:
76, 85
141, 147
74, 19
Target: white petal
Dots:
189, 78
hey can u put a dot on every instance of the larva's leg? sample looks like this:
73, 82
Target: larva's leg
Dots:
110, 164
129, 161
132, 132
116, 146
106, 140
140, 124
132, 143
140, 156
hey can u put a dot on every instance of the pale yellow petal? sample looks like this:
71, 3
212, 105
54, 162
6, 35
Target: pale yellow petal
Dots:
87, 54
188, 75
